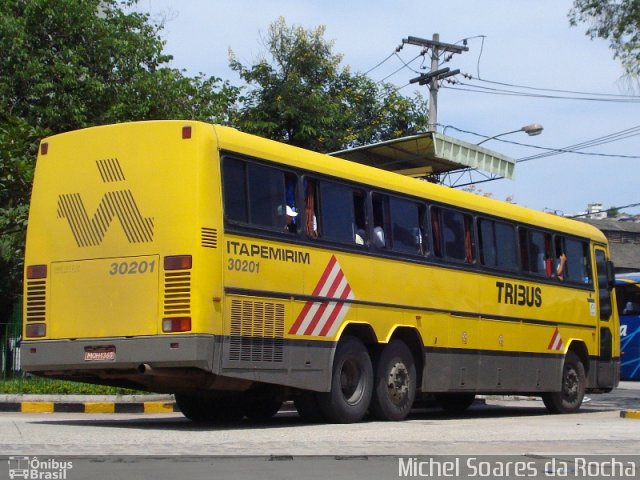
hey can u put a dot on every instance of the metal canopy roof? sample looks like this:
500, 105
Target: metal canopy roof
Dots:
429, 153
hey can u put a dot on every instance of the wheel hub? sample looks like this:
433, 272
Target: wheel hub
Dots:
398, 382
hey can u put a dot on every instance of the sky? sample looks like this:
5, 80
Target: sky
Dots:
514, 42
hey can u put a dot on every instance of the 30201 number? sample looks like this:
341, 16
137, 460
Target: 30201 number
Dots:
243, 265
132, 268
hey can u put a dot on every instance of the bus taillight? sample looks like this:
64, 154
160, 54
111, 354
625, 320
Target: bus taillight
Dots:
177, 262
180, 324
36, 271
36, 330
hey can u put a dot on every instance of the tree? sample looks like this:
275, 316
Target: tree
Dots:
304, 97
617, 21
69, 64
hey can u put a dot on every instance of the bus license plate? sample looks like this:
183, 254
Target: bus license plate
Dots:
104, 354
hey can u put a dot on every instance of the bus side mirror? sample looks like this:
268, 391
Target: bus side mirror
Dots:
611, 275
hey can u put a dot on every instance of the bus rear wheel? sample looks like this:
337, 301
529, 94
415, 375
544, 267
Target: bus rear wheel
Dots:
306, 404
455, 402
395, 382
351, 383
574, 382
206, 409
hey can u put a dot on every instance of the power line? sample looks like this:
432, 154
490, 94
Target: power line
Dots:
380, 63
539, 89
610, 138
512, 93
404, 65
634, 131
624, 207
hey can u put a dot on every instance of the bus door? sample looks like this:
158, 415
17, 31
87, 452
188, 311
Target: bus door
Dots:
606, 372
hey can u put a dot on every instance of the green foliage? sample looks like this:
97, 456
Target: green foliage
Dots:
617, 21
45, 386
304, 97
70, 64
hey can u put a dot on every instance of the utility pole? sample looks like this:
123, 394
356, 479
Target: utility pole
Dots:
435, 75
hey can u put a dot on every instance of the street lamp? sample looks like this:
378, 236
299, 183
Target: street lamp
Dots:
531, 130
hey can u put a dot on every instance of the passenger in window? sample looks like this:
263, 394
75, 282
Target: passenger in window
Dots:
548, 266
378, 237
310, 209
290, 199
291, 215
561, 268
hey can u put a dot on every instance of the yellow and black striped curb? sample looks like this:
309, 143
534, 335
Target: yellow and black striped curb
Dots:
630, 414
89, 407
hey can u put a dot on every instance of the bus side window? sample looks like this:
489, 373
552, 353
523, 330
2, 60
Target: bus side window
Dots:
497, 242
436, 232
259, 195
342, 213
407, 230
457, 235
234, 187
359, 217
539, 250
291, 210
523, 235
381, 214
310, 208
577, 267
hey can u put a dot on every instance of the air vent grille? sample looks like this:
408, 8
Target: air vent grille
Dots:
209, 237
257, 331
177, 293
36, 303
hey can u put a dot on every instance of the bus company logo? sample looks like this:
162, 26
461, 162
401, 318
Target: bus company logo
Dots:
556, 342
322, 318
90, 231
35, 469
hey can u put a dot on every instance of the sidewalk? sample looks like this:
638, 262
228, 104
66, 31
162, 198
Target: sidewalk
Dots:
152, 403
159, 403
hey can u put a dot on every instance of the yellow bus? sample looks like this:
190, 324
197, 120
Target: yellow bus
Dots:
237, 273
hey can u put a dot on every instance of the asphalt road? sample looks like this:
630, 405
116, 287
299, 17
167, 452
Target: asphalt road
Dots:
502, 426
154, 445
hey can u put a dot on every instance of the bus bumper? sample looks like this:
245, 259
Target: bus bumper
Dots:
173, 351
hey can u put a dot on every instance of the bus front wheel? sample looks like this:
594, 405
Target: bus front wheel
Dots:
395, 382
574, 380
351, 383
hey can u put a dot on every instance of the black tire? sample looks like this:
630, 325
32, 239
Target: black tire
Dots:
351, 383
262, 410
395, 382
261, 403
455, 402
574, 384
204, 409
307, 405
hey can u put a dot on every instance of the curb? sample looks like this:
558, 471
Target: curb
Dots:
88, 407
630, 414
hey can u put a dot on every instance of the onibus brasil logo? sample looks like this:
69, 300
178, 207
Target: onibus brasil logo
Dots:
36, 469
90, 231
